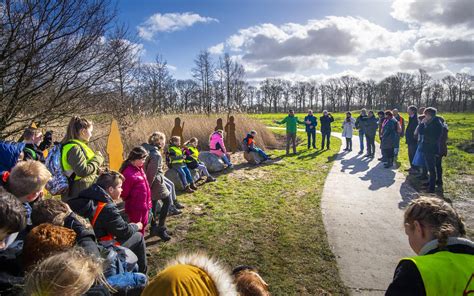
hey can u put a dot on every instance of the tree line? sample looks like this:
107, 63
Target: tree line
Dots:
63, 57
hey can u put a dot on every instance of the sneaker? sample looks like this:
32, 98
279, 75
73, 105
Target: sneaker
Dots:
210, 179
178, 205
163, 234
360, 152
188, 189
382, 159
173, 211
367, 155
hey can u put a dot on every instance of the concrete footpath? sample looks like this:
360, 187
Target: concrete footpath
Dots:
362, 207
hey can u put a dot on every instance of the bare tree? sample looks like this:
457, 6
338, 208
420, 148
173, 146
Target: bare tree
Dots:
203, 72
349, 85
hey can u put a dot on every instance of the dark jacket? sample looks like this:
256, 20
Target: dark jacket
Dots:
400, 120
371, 126
361, 123
154, 173
9, 154
109, 221
31, 151
410, 131
389, 134
407, 279
312, 126
326, 123
431, 132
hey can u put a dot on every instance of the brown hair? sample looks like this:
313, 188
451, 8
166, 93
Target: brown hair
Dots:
28, 177
45, 240
76, 124
438, 215
109, 179
49, 210
388, 113
137, 153
12, 213
249, 282
174, 139
191, 141
30, 132
69, 273
155, 138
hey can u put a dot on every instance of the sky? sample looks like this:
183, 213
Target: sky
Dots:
305, 40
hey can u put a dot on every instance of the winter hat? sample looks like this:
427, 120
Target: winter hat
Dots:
192, 274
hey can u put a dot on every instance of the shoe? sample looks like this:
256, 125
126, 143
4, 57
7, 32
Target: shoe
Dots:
360, 152
178, 205
163, 234
367, 155
193, 186
382, 159
350, 149
188, 189
232, 166
346, 149
372, 155
173, 211
154, 230
212, 179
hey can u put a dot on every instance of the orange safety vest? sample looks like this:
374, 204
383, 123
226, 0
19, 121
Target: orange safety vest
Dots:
108, 237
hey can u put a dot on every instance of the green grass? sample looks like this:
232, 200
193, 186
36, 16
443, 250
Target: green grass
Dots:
267, 216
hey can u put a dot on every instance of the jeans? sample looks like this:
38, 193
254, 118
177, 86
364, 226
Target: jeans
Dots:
136, 243
411, 153
260, 152
361, 139
370, 144
349, 143
203, 169
290, 137
326, 136
185, 175
311, 136
226, 160
430, 160
171, 188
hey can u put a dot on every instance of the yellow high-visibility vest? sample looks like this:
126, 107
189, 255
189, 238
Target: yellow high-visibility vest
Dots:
65, 150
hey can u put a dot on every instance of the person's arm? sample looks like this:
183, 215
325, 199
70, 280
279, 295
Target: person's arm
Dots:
406, 281
282, 121
127, 186
331, 119
357, 123
221, 143
83, 168
85, 238
315, 121
300, 122
173, 155
151, 169
115, 225
47, 141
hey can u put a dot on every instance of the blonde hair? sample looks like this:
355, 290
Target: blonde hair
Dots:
70, 273
28, 177
155, 138
191, 141
76, 124
438, 215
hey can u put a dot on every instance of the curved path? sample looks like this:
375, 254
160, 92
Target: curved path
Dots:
362, 207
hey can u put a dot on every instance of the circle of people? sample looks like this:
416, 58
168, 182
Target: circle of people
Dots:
81, 245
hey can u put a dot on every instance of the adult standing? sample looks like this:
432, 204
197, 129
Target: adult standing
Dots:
389, 138
347, 130
326, 121
370, 132
401, 130
381, 119
291, 128
361, 125
311, 123
431, 130
411, 139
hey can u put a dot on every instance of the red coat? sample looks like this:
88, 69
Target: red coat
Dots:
136, 190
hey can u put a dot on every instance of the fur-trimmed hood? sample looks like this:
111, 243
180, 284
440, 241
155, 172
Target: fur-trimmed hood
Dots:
217, 272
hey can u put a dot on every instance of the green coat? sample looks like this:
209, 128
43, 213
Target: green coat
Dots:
87, 170
291, 124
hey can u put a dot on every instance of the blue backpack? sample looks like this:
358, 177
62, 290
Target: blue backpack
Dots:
59, 183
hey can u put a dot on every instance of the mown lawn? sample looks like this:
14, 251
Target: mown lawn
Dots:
267, 216
458, 166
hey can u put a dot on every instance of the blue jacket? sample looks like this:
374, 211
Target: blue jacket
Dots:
326, 123
314, 123
9, 153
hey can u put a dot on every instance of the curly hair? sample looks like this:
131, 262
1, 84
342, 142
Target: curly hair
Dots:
249, 282
45, 240
439, 216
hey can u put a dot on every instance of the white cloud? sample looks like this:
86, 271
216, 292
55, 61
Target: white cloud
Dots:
217, 49
170, 22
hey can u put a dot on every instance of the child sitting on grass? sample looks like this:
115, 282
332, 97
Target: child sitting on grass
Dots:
192, 159
136, 191
177, 162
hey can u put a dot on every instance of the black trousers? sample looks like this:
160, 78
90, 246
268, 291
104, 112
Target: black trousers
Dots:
370, 144
163, 212
136, 243
349, 143
411, 153
430, 160
326, 136
311, 138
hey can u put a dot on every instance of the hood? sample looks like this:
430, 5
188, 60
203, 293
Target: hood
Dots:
84, 204
152, 149
9, 153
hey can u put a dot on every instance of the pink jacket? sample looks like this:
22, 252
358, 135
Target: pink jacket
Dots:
217, 141
136, 191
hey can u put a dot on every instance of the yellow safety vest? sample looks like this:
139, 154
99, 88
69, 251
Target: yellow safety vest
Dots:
178, 153
445, 273
66, 166
194, 154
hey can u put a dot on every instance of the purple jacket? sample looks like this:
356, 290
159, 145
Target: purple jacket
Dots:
136, 191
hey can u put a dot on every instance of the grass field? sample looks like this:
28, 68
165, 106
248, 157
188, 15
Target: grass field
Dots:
267, 216
458, 166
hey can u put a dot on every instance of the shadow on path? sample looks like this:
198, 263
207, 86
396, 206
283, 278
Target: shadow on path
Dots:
379, 177
355, 164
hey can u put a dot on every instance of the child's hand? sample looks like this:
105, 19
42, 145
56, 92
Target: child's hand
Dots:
140, 225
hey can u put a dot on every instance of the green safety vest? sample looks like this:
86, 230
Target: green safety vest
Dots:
33, 153
445, 273
194, 154
178, 153
66, 147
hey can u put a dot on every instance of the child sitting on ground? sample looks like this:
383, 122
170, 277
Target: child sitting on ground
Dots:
136, 191
250, 145
177, 162
217, 147
192, 159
